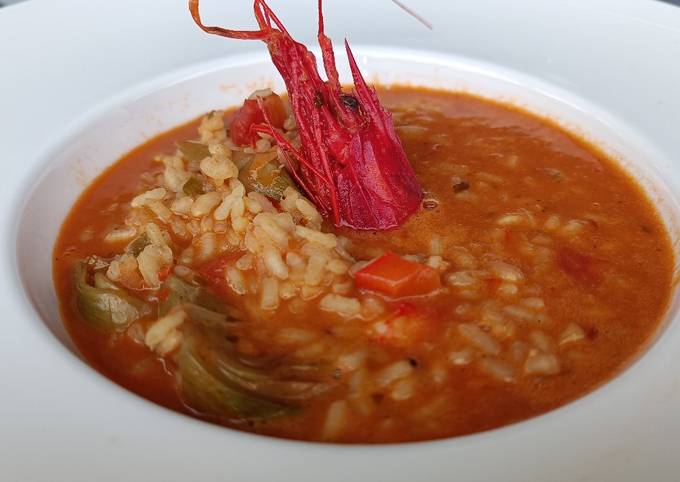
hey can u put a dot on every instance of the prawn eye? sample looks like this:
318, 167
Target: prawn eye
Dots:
350, 101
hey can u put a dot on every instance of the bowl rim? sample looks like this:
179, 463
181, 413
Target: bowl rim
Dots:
77, 126
440, 458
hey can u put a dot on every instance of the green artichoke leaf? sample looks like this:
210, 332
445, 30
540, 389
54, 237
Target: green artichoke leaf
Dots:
106, 307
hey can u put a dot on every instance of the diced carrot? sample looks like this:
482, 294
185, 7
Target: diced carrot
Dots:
250, 114
396, 277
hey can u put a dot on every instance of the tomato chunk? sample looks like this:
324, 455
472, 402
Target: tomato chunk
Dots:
275, 110
408, 327
580, 266
405, 328
164, 273
213, 272
250, 114
394, 276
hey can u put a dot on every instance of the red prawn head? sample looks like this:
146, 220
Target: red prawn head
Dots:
350, 162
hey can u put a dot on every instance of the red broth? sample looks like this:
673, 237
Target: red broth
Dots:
554, 271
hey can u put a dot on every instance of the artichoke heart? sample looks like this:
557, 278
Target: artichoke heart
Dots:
181, 292
106, 308
218, 381
193, 151
210, 395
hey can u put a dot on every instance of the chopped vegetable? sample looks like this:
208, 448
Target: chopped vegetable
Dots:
193, 151
406, 327
106, 308
102, 282
95, 263
179, 292
394, 276
263, 377
241, 159
210, 318
250, 114
208, 369
581, 267
213, 272
210, 395
138, 244
269, 179
193, 187
218, 381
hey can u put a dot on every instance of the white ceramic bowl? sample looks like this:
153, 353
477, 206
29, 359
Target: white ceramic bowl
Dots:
606, 70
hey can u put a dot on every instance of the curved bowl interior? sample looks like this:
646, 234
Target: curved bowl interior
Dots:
118, 125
